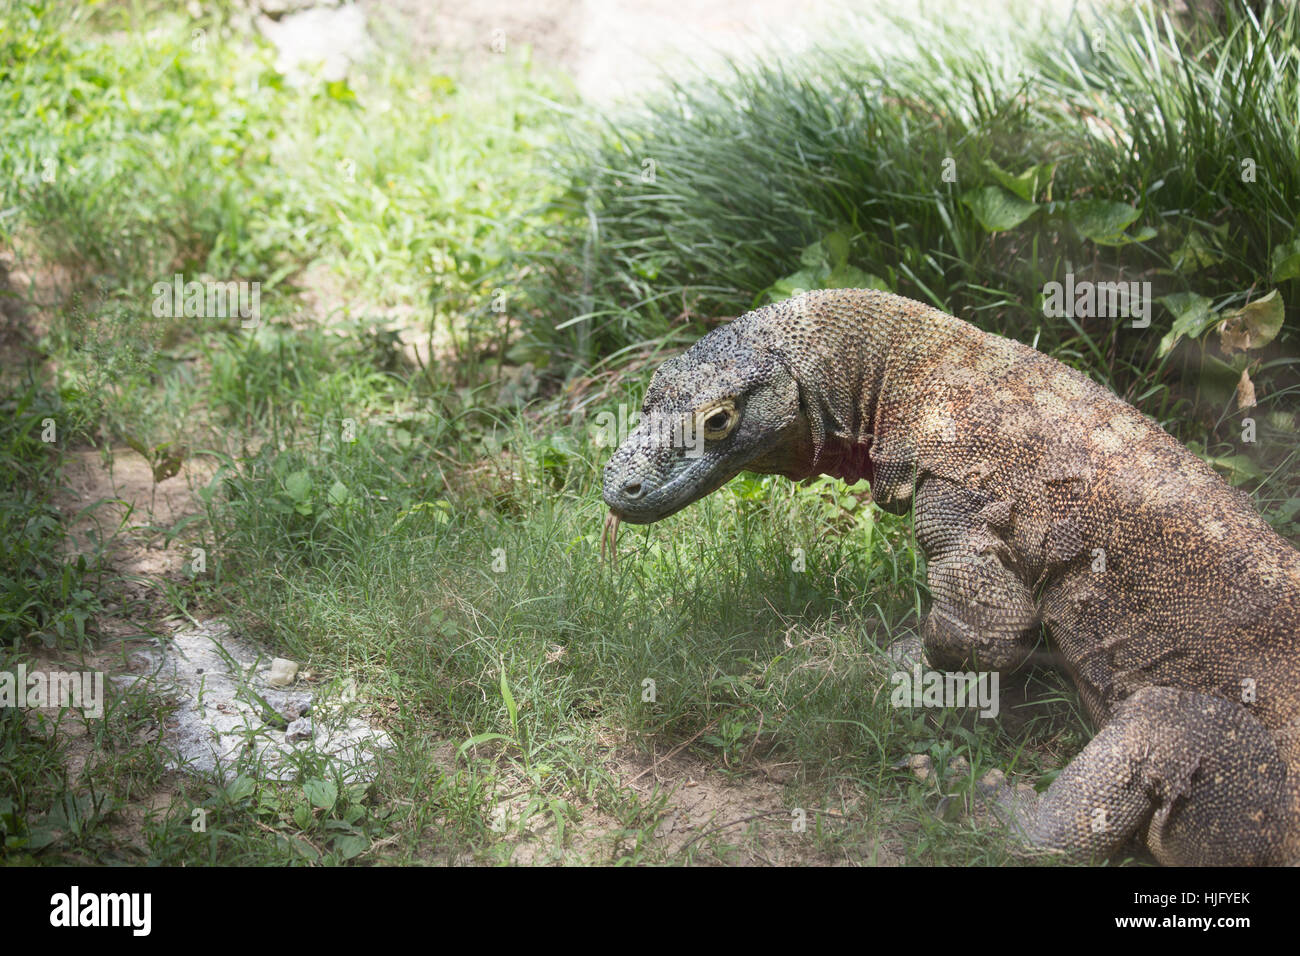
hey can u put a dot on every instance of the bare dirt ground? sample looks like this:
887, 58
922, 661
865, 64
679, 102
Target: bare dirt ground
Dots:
131, 512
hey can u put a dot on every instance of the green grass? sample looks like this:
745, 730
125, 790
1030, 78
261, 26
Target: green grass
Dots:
431, 531
43, 595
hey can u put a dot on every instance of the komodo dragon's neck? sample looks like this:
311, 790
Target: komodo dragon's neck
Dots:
790, 389
838, 357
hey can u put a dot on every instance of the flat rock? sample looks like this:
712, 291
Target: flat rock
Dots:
231, 720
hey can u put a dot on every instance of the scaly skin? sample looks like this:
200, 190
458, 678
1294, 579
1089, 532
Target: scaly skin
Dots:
1039, 497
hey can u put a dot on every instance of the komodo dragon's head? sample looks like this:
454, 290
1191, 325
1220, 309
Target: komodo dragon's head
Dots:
723, 407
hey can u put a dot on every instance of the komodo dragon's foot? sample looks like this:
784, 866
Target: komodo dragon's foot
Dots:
1012, 807
1015, 808
906, 650
1197, 776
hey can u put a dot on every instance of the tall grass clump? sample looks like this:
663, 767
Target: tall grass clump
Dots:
1132, 147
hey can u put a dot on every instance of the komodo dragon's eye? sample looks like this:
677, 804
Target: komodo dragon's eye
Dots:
718, 421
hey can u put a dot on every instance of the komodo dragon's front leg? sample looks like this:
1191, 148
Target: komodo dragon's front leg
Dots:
982, 614
1186, 770
1198, 775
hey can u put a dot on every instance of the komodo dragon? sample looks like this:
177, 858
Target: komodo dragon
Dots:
1038, 497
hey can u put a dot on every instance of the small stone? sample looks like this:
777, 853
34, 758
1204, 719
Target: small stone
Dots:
922, 767
282, 672
296, 706
300, 729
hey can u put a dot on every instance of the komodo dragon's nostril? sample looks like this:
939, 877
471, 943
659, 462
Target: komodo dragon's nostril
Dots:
633, 489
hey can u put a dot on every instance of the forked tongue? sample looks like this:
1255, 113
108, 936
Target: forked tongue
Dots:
610, 532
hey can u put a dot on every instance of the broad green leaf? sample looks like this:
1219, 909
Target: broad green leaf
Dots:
1287, 510
996, 209
1194, 254
1286, 261
1101, 220
39, 837
239, 788
299, 846
338, 493
350, 845
1028, 184
520, 354
298, 485
851, 277
1252, 326
321, 793
340, 91
837, 249
1240, 469
435, 510
1192, 316
649, 267
792, 285
813, 256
